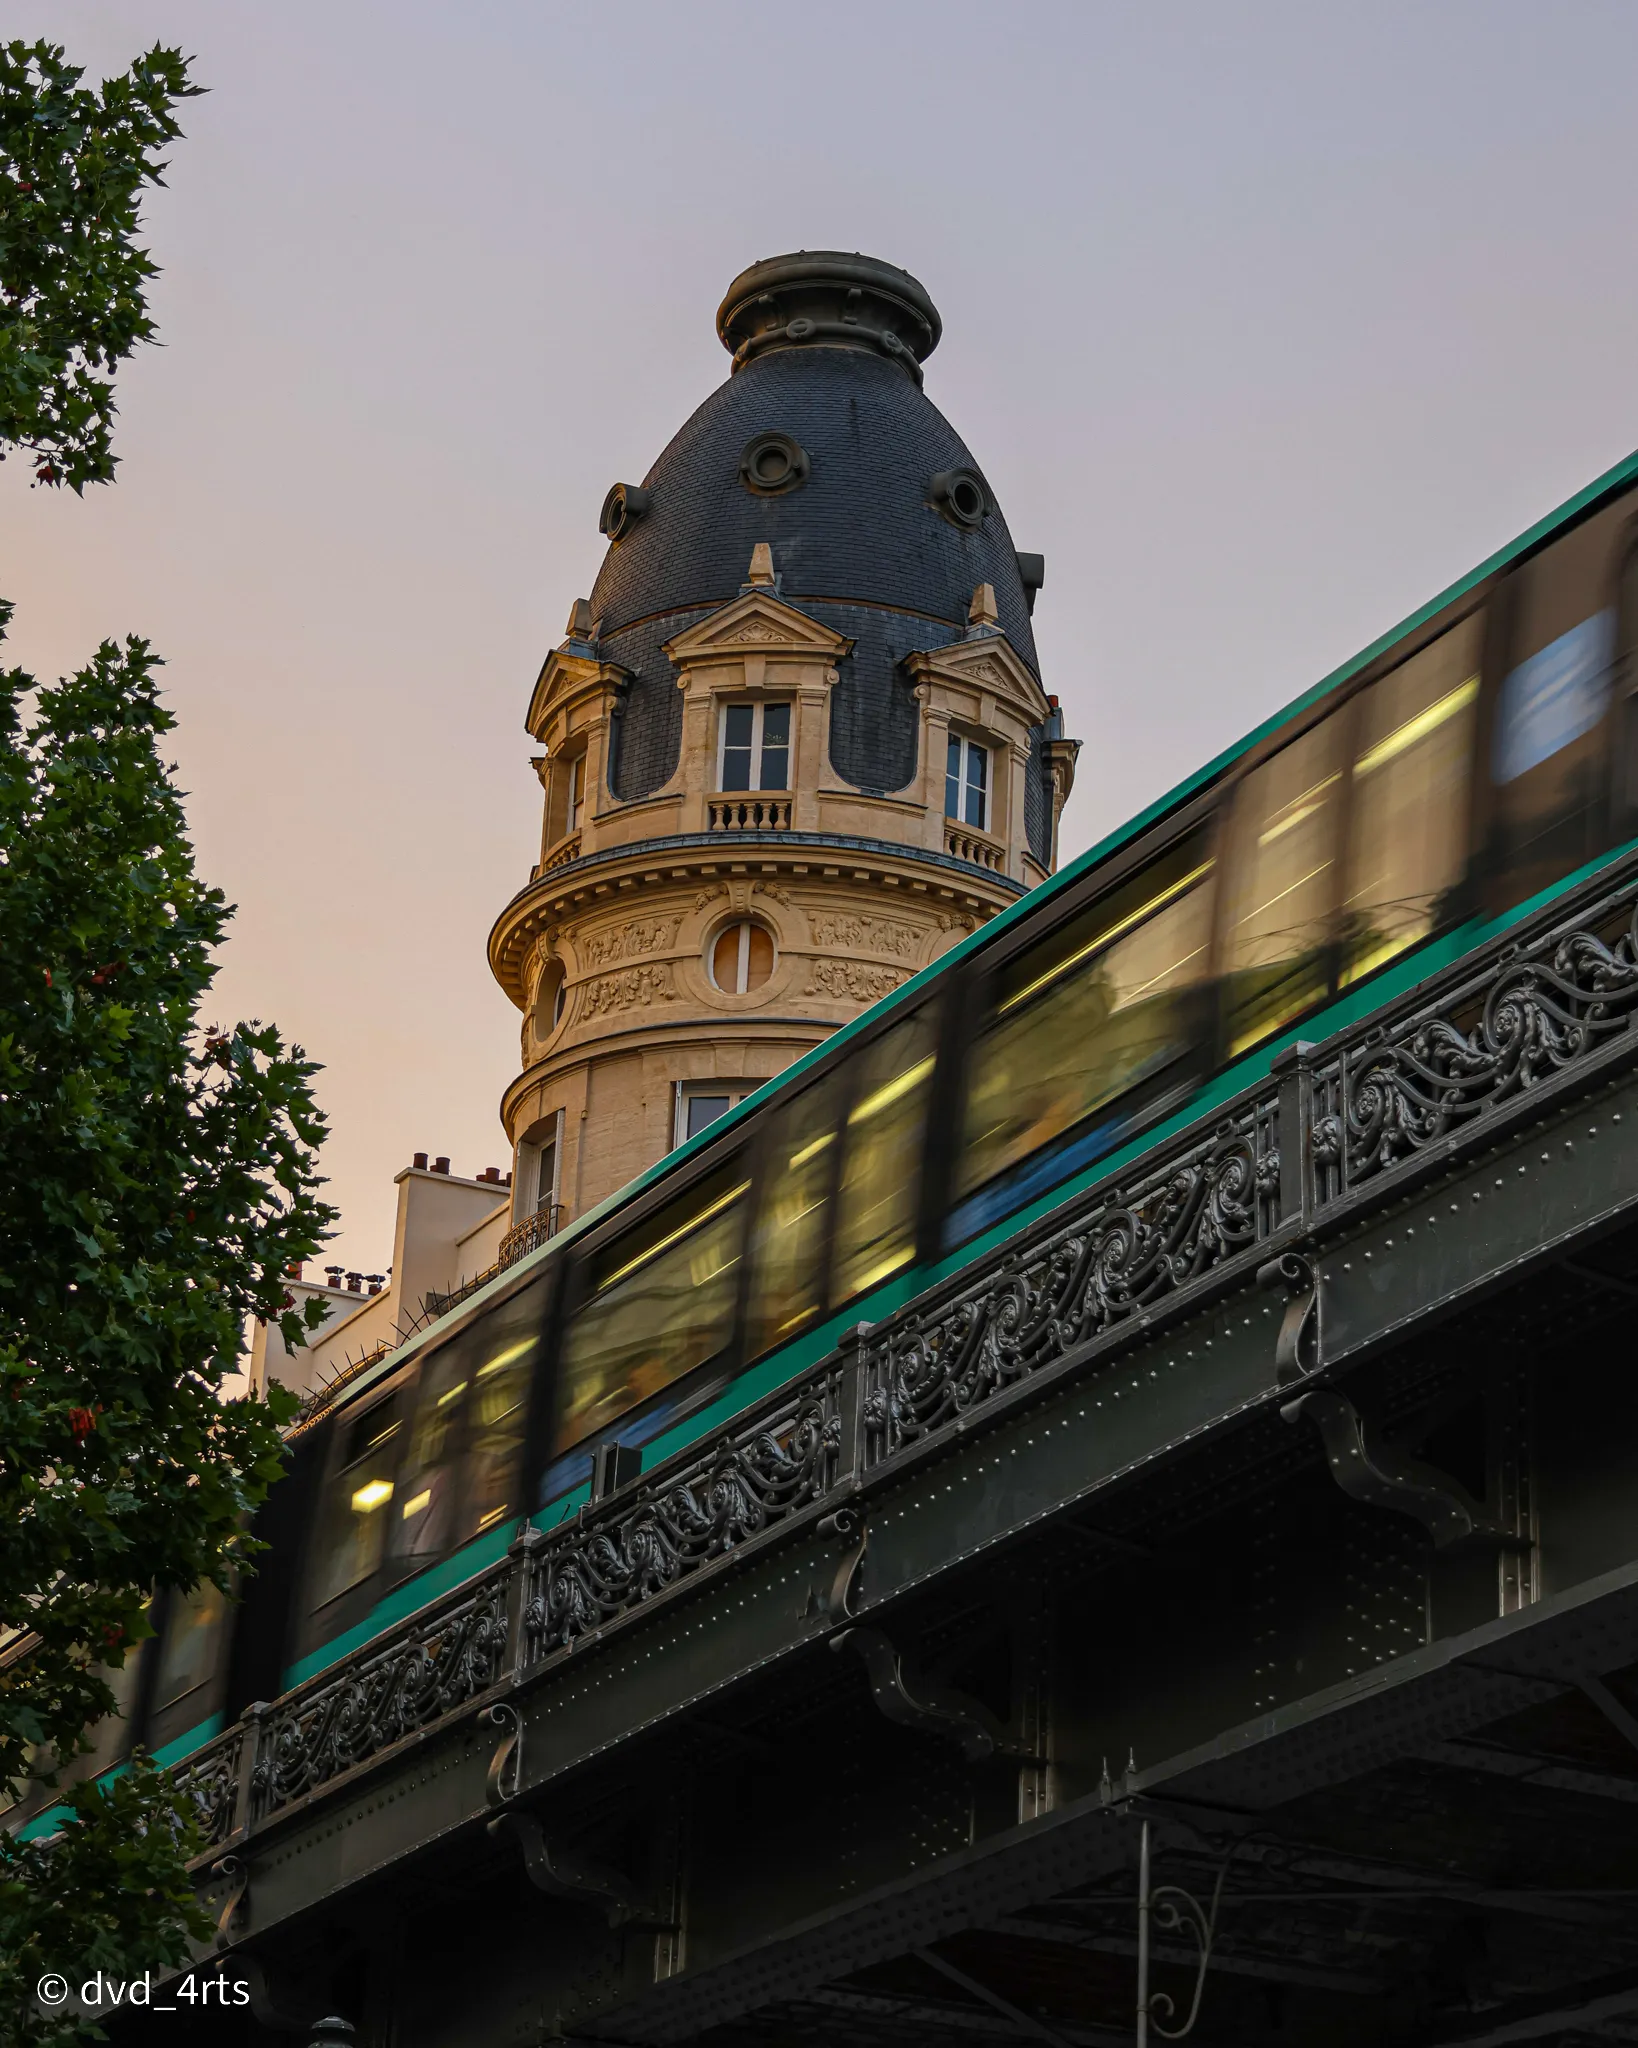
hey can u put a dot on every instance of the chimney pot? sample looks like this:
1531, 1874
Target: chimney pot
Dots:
441, 1163
420, 1160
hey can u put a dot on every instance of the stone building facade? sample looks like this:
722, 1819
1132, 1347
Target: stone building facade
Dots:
794, 745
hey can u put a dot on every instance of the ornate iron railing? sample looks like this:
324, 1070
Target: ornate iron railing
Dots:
429, 1667
528, 1236
1528, 1022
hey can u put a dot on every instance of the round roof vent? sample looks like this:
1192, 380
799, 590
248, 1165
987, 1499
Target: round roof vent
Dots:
771, 463
622, 508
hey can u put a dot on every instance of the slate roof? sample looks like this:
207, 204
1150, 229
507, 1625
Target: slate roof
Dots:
857, 546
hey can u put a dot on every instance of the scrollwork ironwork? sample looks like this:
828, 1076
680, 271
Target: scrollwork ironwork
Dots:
448, 1657
604, 1565
1141, 1242
210, 1779
1527, 1015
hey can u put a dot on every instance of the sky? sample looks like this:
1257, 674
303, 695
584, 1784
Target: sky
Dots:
1265, 322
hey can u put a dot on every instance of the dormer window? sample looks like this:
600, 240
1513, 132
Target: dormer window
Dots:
566, 800
967, 783
754, 747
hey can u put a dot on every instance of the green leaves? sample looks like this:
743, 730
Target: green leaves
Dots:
159, 1178
73, 164
157, 1172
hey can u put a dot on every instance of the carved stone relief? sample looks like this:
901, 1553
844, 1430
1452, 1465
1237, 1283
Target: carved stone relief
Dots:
854, 981
852, 931
627, 941
632, 988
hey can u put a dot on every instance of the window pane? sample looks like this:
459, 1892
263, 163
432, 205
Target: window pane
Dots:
736, 746
788, 1289
725, 961
661, 1303
1547, 753
548, 1174
881, 1172
703, 1111
1110, 1002
426, 1506
193, 1642
355, 1514
978, 763
1282, 886
776, 742
952, 780
759, 956
502, 1350
1408, 823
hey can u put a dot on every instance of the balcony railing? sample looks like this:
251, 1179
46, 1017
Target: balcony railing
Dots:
521, 1238
750, 813
561, 854
529, 1235
976, 847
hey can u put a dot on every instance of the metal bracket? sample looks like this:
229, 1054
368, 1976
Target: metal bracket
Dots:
564, 1875
1298, 1350
234, 1868
505, 1773
835, 1603
934, 1709
1367, 1470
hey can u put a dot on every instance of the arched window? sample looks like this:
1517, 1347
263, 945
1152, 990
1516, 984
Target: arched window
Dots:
742, 957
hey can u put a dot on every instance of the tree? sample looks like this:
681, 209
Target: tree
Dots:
157, 1174
73, 164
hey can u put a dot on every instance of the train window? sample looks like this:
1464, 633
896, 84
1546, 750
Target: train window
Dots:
788, 1256
658, 1303
884, 1139
461, 1474
1109, 1001
353, 1519
504, 1349
190, 1651
1547, 755
1282, 886
1407, 835
422, 1522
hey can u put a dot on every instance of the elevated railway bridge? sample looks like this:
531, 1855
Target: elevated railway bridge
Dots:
1216, 1605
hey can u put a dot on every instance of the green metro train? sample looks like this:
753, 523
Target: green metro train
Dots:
1474, 762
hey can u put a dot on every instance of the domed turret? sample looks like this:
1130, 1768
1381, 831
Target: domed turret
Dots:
881, 524
796, 741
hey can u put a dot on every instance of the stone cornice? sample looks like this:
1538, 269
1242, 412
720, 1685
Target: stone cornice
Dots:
686, 857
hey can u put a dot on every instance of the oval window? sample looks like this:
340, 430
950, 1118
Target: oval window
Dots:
551, 997
742, 957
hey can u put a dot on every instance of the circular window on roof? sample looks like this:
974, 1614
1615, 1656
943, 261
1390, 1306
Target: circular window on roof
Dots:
772, 463
960, 495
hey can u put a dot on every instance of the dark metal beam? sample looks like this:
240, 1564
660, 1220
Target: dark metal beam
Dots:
1618, 1716
1530, 2019
1028, 2021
